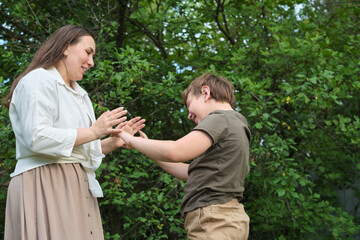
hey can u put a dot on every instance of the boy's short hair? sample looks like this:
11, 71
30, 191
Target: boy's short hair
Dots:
220, 88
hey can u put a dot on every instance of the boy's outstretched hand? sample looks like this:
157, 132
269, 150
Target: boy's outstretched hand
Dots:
130, 127
127, 135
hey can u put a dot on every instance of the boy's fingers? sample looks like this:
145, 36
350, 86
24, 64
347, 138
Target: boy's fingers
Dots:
143, 135
133, 121
138, 123
121, 125
142, 121
141, 127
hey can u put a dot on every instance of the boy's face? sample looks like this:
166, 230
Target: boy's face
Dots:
196, 107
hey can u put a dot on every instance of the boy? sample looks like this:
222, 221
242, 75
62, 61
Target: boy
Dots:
219, 145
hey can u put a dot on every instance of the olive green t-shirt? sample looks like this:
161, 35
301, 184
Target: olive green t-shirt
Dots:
218, 175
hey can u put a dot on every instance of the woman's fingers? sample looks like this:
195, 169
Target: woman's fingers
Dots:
114, 117
116, 114
105, 123
117, 121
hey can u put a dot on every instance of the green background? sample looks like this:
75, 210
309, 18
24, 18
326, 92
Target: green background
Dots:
295, 68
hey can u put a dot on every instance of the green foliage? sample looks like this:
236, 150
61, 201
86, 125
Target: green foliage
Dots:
296, 76
7, 154
144, 202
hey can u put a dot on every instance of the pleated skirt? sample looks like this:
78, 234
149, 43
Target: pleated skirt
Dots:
52, 202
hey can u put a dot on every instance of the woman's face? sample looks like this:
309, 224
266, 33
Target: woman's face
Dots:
79, 59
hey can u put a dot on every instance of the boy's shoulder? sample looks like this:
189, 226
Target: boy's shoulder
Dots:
222, 119
220, 123
228, 114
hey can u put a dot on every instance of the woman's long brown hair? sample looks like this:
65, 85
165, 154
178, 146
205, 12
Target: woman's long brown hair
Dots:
50, 53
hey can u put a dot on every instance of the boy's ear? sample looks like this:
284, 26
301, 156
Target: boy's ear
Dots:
206, 91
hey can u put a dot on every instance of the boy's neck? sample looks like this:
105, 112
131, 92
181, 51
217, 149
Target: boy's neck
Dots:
216, 105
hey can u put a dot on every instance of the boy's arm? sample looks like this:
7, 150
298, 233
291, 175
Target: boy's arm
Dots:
182, 150
178, 170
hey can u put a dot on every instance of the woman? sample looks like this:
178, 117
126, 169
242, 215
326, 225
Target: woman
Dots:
53, 191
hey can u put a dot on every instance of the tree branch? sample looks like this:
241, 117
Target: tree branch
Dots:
37, 20
120, 37
220, 6
145, 30
12, 21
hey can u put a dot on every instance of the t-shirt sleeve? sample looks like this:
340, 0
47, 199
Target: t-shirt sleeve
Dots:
215, 125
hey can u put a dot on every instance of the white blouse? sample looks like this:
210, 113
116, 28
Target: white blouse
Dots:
45, 114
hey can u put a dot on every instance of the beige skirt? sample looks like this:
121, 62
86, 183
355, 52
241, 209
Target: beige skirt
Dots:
52, 202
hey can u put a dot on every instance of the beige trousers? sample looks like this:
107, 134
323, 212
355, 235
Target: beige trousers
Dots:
227, 221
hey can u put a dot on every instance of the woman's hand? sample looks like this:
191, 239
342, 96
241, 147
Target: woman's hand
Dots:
102, 127
105, 123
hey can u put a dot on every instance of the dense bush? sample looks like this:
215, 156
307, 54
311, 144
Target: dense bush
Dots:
295, 68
